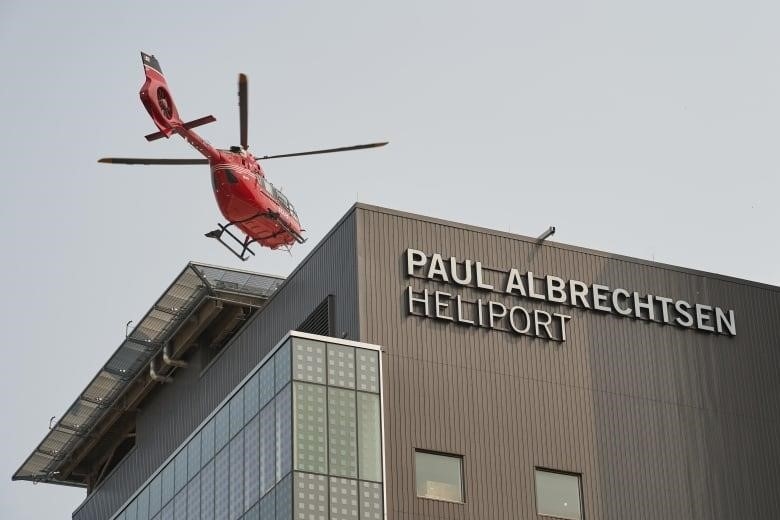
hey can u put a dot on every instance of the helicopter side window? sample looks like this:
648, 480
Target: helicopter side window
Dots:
231, 178
272, 190
283, 200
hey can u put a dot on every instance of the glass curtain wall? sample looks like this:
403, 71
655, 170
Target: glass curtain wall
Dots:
301, 439
337, 434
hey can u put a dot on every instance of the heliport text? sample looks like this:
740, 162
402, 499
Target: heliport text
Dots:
488, 313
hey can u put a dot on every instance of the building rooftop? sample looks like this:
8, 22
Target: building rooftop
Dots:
203, 308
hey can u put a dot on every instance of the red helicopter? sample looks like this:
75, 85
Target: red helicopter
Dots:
246, 199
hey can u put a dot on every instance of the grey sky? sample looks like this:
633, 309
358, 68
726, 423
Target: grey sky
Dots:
643, 128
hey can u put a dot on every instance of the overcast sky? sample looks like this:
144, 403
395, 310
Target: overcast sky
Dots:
648, 129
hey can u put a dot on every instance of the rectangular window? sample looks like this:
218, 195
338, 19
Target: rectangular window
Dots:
342, 432
222, 428
237, 476
558, 494
143, 505
369, 437
154, 495
266, 384
132, 510
207, 490
253, 514
282, 366
180, 506
283, 494
252, 462
344, 499
283, 402
367, 370
167, 483
371, 498
193, 497
193, 456
180, 471
309, 361
311, 436
439, 476
268, 505
207, 441
311, 496
267, 448
341, 366
236, 413
252, 398
222, 484
167, 512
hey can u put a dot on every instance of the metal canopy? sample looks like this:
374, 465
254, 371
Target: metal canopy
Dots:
195, 283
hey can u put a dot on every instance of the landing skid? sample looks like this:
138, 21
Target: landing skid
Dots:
297, 236
244, 244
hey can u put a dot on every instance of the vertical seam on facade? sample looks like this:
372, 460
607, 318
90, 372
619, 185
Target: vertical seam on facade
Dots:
360, 272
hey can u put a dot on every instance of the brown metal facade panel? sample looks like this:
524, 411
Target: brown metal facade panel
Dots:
662, 422
174, 411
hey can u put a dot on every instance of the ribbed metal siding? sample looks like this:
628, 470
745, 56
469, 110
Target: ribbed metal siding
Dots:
174, 411
662, 422
320, 321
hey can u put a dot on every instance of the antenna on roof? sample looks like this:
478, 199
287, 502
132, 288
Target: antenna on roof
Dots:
549, 232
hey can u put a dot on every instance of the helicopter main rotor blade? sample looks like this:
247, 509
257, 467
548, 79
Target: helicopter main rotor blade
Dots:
243, 109
328, 150
138, 160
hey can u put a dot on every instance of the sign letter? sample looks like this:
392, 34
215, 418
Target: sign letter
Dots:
414, 259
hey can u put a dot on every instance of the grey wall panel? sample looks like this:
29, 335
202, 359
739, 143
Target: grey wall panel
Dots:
661, 421
173, 411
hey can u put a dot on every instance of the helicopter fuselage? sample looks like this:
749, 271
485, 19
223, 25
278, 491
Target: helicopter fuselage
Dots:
248, 200
245, 198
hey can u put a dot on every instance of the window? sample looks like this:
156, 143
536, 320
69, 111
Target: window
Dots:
369, 437
439, 476
558, 494
231, 178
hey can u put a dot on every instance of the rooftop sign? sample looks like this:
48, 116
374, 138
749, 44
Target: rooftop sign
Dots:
518, 286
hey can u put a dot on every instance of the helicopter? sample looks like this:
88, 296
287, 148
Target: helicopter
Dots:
247, 200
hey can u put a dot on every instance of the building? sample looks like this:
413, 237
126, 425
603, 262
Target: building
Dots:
412, 368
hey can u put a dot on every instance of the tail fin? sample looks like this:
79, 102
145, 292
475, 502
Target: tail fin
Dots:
157, 98
150, 61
